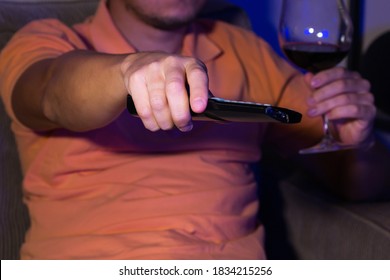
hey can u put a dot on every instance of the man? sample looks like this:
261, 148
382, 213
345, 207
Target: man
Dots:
102, 184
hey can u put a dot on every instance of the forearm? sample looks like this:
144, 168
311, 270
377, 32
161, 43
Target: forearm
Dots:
79, 91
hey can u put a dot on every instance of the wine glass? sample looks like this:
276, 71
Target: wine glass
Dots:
316, 35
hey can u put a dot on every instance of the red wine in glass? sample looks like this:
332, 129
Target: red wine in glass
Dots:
316, 35
314, 57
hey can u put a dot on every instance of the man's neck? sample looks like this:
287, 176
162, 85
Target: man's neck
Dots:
142, 36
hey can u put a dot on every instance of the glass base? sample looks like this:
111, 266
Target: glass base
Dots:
325, 146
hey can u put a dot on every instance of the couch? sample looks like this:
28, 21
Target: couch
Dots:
301, 220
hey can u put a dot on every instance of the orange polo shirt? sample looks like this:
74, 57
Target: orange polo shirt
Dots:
123, 192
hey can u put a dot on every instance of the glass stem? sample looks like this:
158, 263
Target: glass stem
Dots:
327, 134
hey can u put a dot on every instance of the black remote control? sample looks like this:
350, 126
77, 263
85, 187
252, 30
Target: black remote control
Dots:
223, 110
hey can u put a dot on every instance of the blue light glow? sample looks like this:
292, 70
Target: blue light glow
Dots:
310, 31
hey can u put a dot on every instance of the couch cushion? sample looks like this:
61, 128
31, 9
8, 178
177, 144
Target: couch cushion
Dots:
14, 219
321, 227
15, 14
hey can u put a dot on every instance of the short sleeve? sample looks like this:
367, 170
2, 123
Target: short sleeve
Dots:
38, 40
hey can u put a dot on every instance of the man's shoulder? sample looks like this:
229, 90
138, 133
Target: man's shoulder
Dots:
50, 31
46, 25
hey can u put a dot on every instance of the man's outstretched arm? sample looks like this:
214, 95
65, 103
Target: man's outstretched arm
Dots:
83, 90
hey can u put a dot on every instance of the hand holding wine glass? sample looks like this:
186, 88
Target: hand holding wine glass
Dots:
316, 35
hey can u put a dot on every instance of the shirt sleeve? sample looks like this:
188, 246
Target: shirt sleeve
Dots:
38, 40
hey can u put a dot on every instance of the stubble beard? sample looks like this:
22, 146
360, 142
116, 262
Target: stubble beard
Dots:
159, 22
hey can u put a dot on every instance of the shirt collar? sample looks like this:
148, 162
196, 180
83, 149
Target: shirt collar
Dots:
196, 42
104, 34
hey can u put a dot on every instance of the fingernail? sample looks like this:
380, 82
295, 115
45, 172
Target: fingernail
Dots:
312, 112
315, 82
198, 104
186, 128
